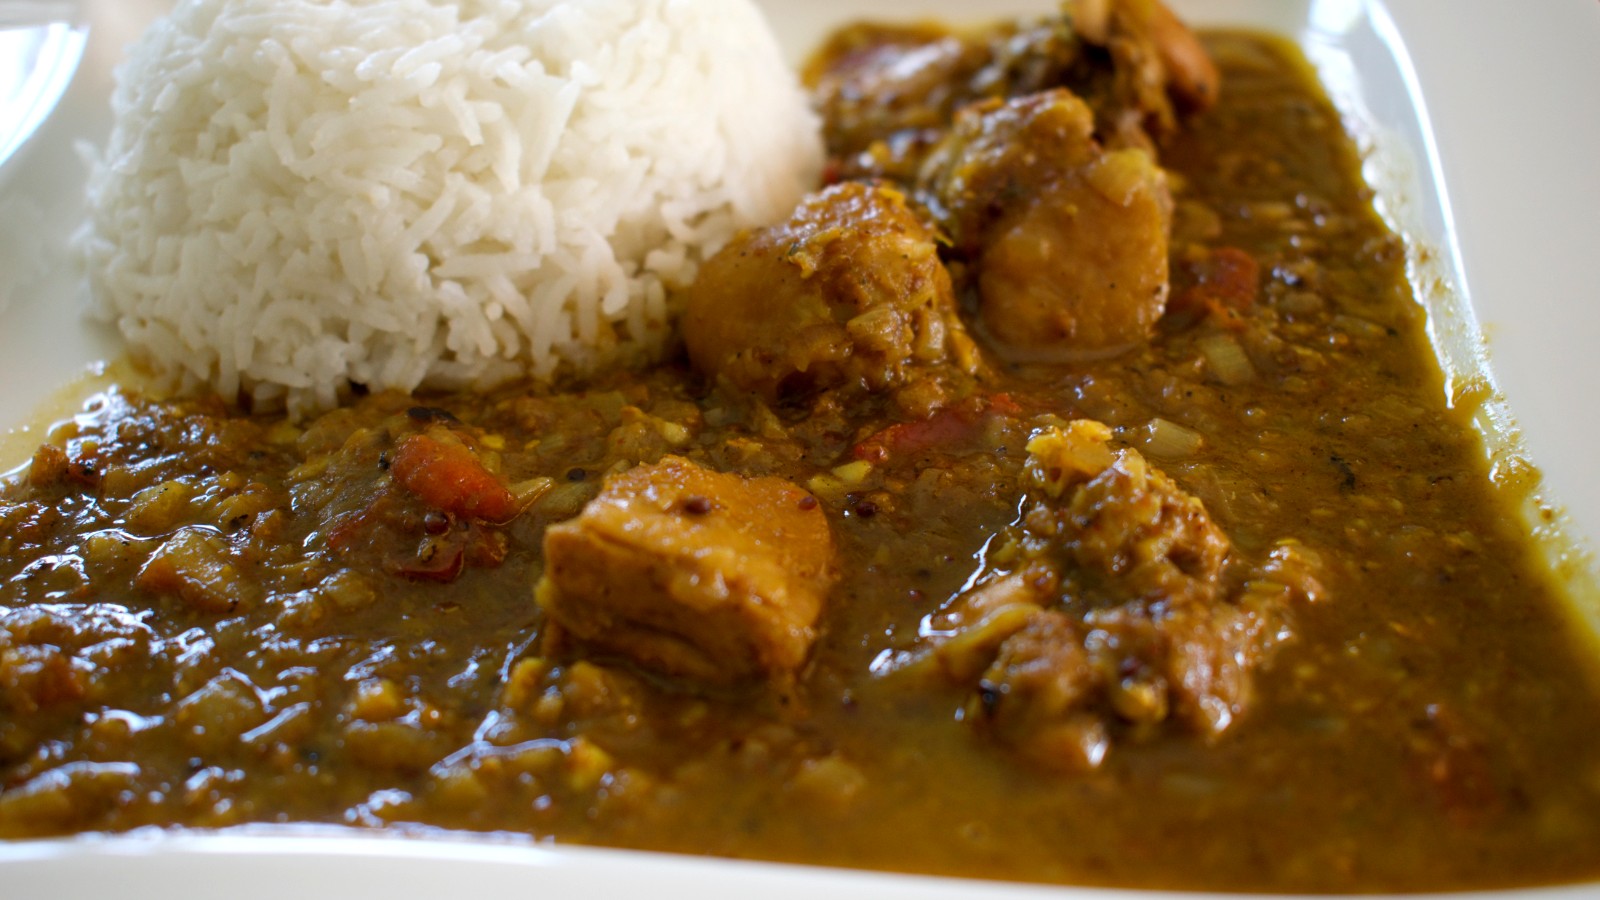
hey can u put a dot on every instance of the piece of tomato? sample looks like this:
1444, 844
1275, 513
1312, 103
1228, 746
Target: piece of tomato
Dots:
450, 477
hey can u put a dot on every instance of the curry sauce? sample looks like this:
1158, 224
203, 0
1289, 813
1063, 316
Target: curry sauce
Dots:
211, 618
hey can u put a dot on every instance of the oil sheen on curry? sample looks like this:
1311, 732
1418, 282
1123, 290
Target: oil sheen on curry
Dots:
1064, 492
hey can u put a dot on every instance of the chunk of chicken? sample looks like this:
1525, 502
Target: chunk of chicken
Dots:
1061, 687
848, 292
886, 82
1192, 76
1117, 527
1149, 68
886, 92
1040, 695
693, 573
1112, 611
1069, 240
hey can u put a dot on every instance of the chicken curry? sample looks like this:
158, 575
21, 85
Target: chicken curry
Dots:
1064, 492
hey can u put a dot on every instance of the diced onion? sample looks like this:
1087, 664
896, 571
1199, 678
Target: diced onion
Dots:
1227, 359
1169, 440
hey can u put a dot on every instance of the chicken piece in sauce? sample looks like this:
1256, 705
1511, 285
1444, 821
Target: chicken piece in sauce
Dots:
1116, 612
693, 573
849, 292
888, 92
1069, 241
1121, 528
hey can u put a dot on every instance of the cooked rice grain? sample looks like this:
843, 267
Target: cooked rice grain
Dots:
300, 195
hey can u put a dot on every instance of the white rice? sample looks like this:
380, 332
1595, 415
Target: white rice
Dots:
298, 195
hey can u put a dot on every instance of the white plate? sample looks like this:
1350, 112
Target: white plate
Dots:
1481, 118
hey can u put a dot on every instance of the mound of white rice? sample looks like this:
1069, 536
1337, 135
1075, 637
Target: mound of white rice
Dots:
302, 194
